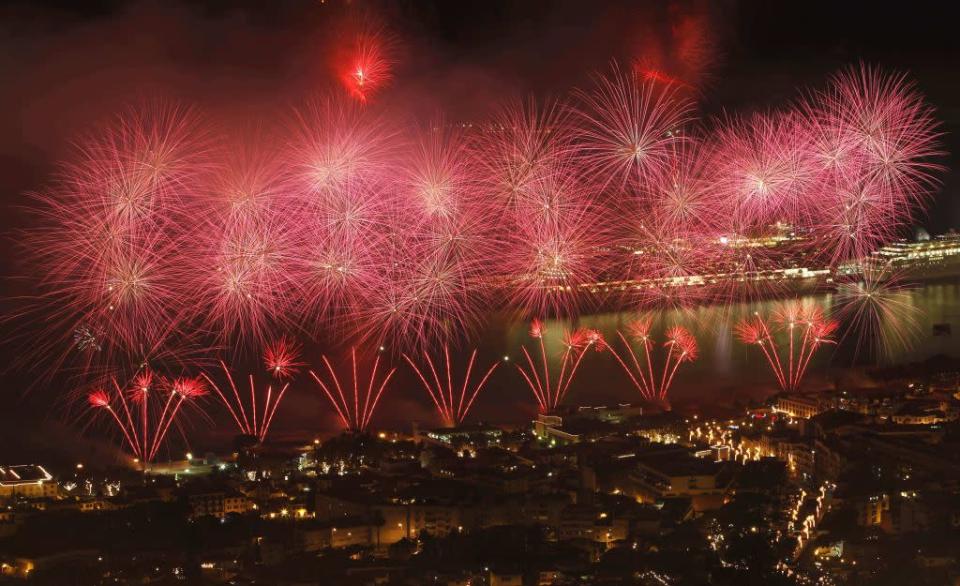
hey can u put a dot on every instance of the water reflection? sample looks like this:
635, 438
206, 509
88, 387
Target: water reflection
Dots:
726, 365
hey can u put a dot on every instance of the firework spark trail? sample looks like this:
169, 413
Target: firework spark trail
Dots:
805, 328
550, 393
145, 429
681, 347
253, 424
356, 411
452, 401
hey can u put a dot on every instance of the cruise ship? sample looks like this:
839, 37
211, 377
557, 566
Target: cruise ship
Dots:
922, 259
925, 258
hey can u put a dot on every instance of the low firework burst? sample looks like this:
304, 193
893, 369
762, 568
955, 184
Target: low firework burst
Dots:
253, 417
356, 406
681, 347
876, 307
548, 390
452, 400
137, 413
806, 330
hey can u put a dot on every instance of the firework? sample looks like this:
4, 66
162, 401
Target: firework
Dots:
875, 147
522, 144
806, 330
348, 225
876, 307
681, 347
356, 406
764, 172
108, 238
629, 129
365, 65
137, 411
243, 280
558, 240
282, 358
452, 400
548, 390
254, 416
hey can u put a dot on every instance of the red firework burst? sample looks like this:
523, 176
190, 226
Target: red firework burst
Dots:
806, 330
452, 400
355, 409
143, 421
282, 358
365, 62
548, 390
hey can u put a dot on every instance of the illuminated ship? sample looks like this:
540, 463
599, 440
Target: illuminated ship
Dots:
926, 258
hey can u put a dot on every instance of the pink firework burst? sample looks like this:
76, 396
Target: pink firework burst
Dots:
876, 148
109, 234
242, 279
628, 128
558, 242
523, 143
764, 171
334, 144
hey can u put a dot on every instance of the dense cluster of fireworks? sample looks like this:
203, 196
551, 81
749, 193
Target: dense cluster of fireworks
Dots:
354, 225
160, 235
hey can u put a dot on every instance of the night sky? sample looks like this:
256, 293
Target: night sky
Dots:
64, 67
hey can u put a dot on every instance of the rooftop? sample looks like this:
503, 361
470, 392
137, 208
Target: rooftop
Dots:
23, 474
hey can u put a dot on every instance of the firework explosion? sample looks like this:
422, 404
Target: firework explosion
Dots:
681, 347
452, 400
137, 412
151, 231
356, 406
281, 360
548, 390
347, 223
806, 330
876, 308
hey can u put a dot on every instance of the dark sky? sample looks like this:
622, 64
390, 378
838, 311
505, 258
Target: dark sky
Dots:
66, 65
